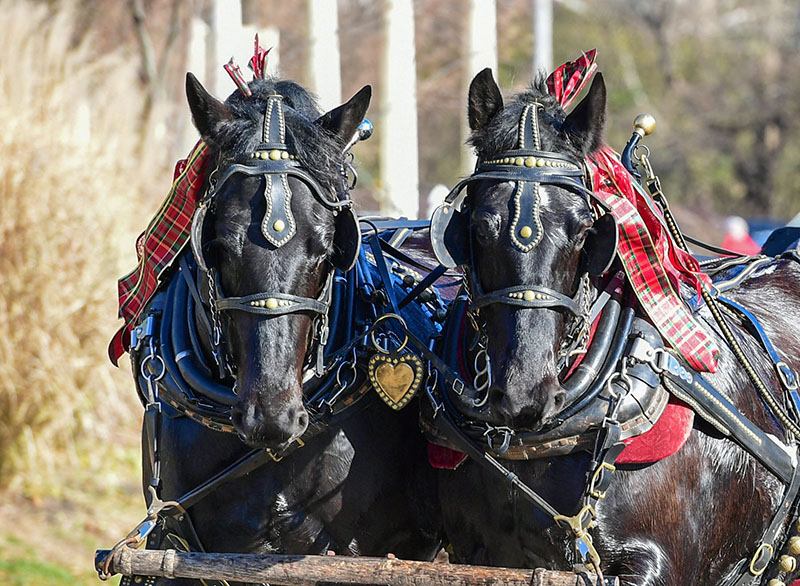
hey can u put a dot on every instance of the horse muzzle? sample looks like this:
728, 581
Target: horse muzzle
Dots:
265, 424
529, 410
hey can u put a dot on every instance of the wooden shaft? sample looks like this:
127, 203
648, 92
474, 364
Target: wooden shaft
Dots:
298, 570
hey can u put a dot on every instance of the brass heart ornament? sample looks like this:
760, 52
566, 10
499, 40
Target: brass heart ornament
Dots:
396, 377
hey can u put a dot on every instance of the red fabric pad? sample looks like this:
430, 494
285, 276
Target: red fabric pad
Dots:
665, 438
444, 458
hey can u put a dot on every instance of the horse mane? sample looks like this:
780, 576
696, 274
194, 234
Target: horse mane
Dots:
319, 151
495, 138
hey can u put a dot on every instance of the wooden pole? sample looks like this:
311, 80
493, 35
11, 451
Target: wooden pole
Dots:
298, 570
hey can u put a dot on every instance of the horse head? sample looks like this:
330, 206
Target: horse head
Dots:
529, 238
275, 222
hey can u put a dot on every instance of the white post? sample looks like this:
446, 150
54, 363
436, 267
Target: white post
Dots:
482, 53
324, 64
196, 62
226, 35
542, 36
398, 121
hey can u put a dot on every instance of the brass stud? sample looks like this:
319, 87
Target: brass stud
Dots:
530, 161
275, 154
505, 161
279, 225
272, 303
787, 563
526, 232
264, 155
794, 545
540, 162
529, 296
519, 161
775, 582
284, 155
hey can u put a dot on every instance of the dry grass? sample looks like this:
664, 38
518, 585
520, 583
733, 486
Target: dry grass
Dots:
71, 196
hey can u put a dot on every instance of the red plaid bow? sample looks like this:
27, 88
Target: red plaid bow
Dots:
652, 261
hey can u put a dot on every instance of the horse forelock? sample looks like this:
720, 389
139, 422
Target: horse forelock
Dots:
502, 133
319, 151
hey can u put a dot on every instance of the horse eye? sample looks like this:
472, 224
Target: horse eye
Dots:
580, 238
486, 226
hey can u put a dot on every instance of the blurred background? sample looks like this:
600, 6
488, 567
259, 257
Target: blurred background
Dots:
93, 117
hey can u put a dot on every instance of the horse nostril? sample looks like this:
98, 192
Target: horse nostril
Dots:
558, 400
302, 420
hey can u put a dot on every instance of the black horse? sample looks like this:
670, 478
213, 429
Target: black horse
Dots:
696, 517
270, 295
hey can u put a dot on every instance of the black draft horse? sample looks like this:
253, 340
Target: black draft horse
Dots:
687, 519
360, 486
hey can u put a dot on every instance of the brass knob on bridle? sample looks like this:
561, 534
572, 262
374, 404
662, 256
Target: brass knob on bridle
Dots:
644, 124
794, 545
787, 564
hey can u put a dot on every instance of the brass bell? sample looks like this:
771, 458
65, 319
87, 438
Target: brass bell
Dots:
644, 124
787, 563
794, 545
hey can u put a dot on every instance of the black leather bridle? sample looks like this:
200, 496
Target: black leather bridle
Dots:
273, 162
527, 167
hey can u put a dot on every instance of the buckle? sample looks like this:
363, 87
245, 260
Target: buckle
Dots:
458, 386
761, 559
278, 457
786, 376
579, 526
599, 494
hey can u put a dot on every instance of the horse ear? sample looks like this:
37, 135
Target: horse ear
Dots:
584, 125
344, 120
208, 113
485, 100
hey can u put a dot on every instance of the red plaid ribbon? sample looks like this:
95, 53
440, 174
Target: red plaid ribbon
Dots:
653, 263
566, 82
158, 246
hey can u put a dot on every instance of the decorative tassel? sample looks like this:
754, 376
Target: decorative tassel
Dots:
237, 77
258, 63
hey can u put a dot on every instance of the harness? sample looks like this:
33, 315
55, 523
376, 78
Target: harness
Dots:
167, 347
629, 365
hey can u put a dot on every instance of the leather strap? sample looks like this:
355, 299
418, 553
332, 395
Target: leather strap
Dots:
764, 555
532, 297
742, 430
786, 376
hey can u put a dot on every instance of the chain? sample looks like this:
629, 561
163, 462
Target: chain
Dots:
577, 338
346, 375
